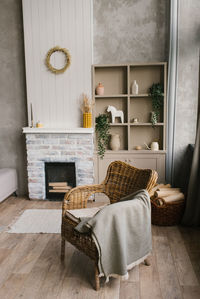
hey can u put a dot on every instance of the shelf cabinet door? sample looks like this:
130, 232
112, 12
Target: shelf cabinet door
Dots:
138, 162
145, 161
154, 161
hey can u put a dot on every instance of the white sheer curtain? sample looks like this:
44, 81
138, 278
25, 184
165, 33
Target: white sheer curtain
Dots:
172, 85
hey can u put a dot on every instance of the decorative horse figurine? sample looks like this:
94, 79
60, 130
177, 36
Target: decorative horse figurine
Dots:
115, 113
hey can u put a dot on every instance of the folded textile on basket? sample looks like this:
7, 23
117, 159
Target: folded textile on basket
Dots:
162, 194
122, 234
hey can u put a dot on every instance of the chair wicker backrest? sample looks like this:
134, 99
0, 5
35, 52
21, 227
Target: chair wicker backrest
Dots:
123, 179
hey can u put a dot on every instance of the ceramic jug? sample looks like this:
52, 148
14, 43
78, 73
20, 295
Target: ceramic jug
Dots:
100, 89
154, 146
115, 142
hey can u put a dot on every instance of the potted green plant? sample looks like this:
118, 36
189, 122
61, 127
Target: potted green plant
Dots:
102, 130
156, 93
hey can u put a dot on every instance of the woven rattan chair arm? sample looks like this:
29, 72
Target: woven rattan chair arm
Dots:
77, 197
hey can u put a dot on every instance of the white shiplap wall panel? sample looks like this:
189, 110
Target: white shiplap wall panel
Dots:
29, 54
68, 24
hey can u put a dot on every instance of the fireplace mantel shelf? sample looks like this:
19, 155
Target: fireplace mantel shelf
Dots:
28, 130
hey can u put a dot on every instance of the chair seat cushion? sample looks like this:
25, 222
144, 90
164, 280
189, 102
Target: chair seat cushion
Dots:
77, 214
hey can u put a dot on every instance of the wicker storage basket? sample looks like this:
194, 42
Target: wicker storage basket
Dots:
167, 214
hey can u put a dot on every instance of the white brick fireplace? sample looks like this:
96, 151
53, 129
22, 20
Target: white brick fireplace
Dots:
58, 145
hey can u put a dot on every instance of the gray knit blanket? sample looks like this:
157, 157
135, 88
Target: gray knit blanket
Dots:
122, 234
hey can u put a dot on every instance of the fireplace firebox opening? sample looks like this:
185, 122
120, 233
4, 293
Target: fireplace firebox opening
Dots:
60, 178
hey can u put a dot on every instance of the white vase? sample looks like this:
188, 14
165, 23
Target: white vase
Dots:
115, 142
134, 88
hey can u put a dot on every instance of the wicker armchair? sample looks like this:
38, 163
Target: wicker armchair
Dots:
121, 180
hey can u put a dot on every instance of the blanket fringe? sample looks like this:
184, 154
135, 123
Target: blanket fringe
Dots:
129, 267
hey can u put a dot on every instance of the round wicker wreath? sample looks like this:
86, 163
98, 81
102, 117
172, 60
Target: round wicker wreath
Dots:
67, 63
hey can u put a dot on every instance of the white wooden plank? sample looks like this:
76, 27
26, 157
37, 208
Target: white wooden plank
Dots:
53, 96
62, 30
28, 52
80, 52
36, 60
59, 62
50, 77
77, 65
41, 15
67, 15
88, 44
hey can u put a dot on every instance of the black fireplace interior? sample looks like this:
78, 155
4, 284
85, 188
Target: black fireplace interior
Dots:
60, 178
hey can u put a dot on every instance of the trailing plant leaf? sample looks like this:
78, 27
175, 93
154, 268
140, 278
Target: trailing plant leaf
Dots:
156, 93
154, 118
102, 129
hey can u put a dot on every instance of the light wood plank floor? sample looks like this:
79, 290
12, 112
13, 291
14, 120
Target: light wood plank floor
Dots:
30, 264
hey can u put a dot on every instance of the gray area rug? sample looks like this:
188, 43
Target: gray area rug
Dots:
33, 221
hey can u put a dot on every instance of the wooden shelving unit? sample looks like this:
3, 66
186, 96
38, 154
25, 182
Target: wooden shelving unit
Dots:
117, 81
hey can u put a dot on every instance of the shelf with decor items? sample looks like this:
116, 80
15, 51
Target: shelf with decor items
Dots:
138, 129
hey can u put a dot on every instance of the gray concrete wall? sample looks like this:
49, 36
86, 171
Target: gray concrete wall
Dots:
130, 30
187, 89
12, 90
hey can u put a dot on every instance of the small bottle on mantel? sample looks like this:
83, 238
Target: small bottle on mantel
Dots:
134, 87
